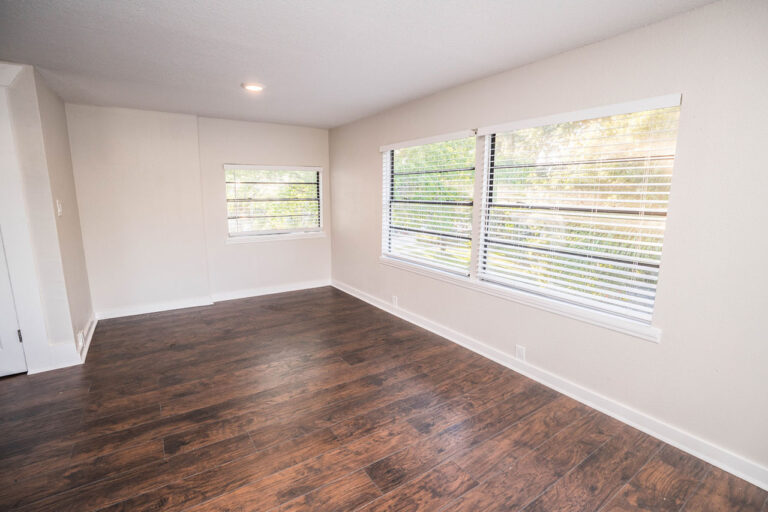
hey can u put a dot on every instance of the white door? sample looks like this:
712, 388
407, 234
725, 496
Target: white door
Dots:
11, 351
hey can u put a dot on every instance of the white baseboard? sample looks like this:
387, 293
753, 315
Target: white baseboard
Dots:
61, 355
208, 300
88, 337
705, 450
154, 307
267, 290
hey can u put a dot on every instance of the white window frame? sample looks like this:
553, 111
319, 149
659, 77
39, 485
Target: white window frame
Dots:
616, 323
281, 234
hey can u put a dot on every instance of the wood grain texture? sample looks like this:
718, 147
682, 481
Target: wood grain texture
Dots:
721, 491
600, 475
664, 484
513, 486
347, 493
430, 491
316, 401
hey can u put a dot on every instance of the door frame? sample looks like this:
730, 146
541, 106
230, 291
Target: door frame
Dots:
12, 348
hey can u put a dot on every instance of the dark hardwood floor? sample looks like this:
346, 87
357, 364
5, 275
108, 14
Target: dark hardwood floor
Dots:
315, 400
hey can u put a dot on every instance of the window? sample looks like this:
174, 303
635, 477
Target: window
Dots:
568, 215
428, 203
264, 200
576, 211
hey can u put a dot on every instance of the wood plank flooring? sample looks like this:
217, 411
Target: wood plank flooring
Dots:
314, 400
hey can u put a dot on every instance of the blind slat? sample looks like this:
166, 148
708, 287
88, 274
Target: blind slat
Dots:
270, 200
576, 210
427, 217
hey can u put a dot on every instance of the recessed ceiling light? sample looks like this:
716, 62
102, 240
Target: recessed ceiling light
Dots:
253, 87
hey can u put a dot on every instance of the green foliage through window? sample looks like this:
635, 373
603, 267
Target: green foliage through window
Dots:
429, 203
574, 211
272, 201
577, 210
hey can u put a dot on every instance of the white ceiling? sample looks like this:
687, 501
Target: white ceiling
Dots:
323, 62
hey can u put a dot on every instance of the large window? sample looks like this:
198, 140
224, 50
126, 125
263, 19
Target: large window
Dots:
576, 210
264, 200
569, 210
428, 203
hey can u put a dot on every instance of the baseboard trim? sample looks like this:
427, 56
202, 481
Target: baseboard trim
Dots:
63, 355
88, 337
705, 450
268, 290
154, 307
208, 300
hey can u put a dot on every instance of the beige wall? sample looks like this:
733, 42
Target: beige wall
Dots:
150, 186
59, 160
237, 268
707, 377
138, 189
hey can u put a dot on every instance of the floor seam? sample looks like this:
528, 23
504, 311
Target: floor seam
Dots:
622, 486
696, 490
531, 453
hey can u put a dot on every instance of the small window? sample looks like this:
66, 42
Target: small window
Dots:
264, 200
428, 204
576, 211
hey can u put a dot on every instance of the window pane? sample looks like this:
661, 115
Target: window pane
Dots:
248, 225
577, 210
452, 154
269, 200
270, 190
234, 174
272, 208
428, 204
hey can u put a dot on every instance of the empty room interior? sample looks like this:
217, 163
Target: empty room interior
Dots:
383, 255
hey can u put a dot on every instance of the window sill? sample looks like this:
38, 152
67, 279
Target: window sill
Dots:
274, 237
622, 325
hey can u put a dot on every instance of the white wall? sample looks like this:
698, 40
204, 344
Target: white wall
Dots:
28, 132
32, 238
242, 269
150, 187
138, 189
59, 161
707, 377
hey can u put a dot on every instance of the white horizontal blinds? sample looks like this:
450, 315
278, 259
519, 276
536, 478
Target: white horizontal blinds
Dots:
428, 203
576, 211
272, 200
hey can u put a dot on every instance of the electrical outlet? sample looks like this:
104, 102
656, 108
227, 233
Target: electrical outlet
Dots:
520, 352
80, 340
59, 208
394, 300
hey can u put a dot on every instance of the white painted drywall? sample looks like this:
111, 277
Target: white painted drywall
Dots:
708, 375
237, 269
138, 191
59, 161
